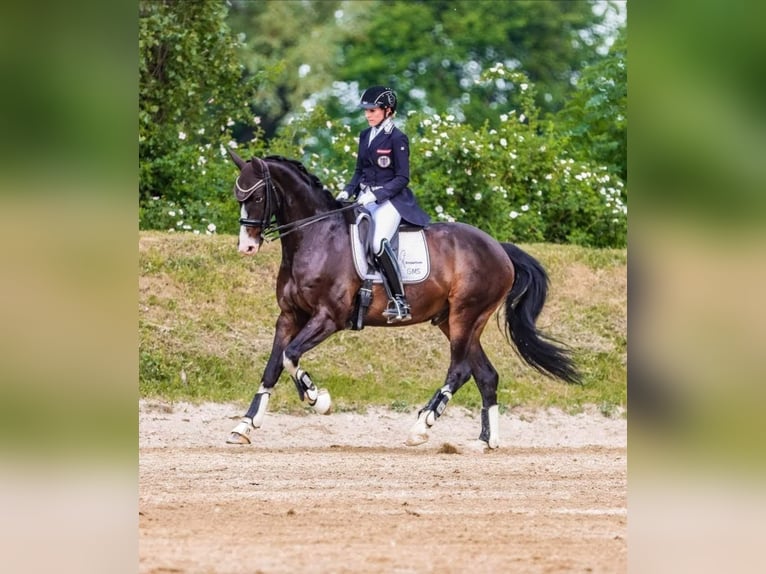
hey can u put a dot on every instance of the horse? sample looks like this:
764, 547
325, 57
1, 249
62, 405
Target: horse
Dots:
471, 276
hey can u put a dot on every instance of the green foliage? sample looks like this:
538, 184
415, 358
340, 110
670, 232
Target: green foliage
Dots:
437, 49
596, 116
513, 170
292, 48
517, 180
191, 93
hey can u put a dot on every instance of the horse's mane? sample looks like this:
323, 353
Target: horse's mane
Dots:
314, 181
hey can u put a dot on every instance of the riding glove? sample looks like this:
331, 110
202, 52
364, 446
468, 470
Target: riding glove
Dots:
342, 196
366, 197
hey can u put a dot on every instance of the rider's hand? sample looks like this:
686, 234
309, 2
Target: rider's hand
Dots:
366, 197
342, 196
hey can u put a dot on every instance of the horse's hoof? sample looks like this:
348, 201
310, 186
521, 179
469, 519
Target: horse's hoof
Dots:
417, 439
323, 404
236, 438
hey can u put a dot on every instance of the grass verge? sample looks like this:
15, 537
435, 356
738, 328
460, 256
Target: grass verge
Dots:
206, 321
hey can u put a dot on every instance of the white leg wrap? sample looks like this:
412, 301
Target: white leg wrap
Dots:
262, 406
494, 427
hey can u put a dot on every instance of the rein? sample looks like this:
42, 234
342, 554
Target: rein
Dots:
270, 233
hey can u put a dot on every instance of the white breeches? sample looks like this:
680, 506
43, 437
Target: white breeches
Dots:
386, 219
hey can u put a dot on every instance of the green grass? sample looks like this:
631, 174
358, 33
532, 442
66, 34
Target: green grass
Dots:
206, 321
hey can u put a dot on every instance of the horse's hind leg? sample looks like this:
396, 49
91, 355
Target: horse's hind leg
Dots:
486, 379
458, 373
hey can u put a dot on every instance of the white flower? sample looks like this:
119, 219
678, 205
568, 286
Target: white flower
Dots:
549, 176
201, 131
503, 142
172, 213
504, 117
477, 196
450, 191
229, 122
328, 124
524, 87
211, 227
525, 207
181, 135
428, 153
232, 143
513, 215
450, 118
522, 117
439, 209
256, 120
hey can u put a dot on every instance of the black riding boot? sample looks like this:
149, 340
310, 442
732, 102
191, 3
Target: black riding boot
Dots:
398, 308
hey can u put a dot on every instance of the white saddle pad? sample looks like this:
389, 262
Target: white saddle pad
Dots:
412, 255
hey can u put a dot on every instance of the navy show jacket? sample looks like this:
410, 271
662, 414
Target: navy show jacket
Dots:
385, 163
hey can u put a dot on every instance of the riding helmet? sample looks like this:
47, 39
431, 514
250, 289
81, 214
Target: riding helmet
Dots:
378, 97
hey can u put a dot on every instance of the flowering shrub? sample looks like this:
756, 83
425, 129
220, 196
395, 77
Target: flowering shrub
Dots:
516, 179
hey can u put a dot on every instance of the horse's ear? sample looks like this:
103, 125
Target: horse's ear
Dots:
237, 160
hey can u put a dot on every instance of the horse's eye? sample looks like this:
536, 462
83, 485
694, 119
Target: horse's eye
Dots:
258, 199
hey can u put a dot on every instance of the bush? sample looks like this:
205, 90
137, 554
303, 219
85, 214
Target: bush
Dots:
516, 178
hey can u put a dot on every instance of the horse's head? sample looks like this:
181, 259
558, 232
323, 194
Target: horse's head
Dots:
254, 192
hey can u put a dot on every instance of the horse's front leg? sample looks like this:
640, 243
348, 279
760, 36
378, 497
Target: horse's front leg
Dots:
316, 330
286, 329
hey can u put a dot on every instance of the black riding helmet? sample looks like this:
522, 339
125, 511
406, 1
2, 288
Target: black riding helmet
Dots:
378, 97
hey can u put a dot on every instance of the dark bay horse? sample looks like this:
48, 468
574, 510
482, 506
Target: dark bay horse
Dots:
471, 275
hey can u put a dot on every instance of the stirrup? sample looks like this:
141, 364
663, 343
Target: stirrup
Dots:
398, 310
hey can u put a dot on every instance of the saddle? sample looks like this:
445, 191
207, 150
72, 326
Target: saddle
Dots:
409, 245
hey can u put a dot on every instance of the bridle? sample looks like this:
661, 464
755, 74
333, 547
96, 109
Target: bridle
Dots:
270, 199
269, 230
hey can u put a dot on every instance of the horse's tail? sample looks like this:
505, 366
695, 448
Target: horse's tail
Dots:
522, 307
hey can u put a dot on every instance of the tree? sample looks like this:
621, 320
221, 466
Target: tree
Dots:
436, 50
190, 91
430, 51
596, 117
292, 46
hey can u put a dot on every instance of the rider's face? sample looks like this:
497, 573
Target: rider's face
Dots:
374, 116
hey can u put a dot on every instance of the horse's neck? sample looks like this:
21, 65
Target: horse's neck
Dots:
298, 199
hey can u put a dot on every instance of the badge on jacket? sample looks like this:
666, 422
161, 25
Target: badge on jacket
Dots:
384, 160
